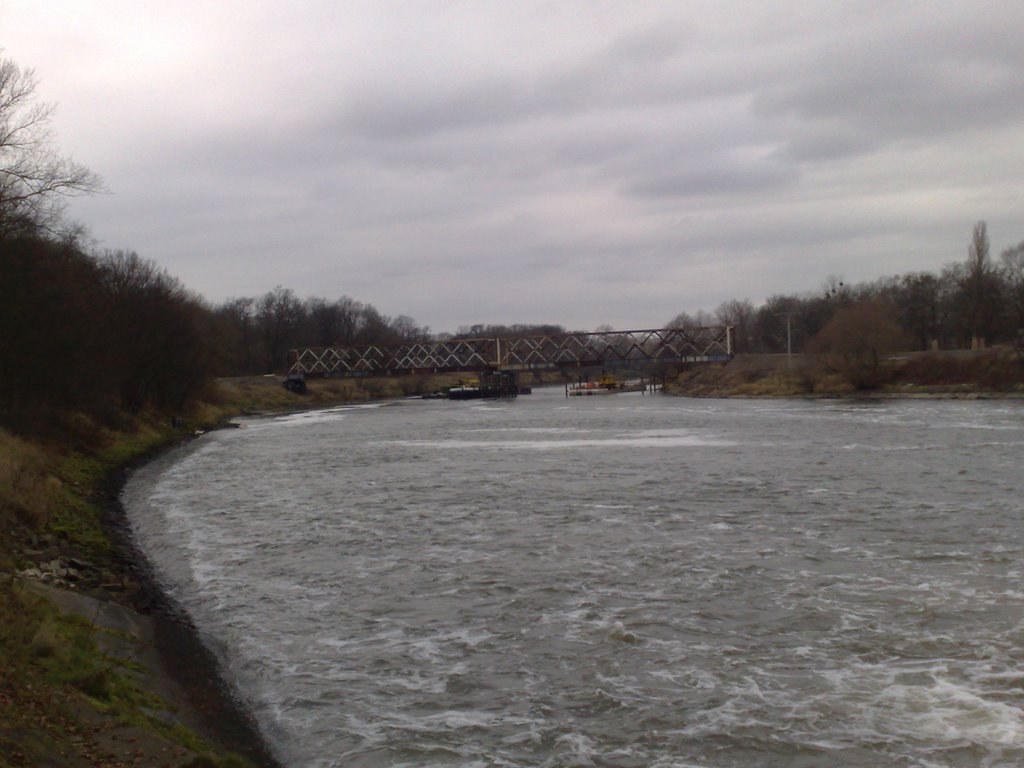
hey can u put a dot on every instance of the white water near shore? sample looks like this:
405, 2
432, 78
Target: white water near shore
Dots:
621, 581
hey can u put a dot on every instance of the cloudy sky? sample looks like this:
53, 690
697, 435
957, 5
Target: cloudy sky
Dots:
580, 163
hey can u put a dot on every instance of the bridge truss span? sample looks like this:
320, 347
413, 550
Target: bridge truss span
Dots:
519, 353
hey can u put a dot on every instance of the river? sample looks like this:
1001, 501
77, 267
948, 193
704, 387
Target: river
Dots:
612, 581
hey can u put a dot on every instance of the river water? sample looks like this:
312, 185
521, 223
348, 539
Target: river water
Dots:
613, 581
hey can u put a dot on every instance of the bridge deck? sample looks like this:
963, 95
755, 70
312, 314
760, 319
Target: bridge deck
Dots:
518, 353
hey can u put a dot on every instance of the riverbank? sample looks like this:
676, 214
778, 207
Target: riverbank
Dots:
97, 666
993, 374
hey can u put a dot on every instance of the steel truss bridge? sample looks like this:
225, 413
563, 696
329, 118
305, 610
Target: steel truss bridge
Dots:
520, 353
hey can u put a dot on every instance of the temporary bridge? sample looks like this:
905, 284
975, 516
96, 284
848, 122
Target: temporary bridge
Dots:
519, 353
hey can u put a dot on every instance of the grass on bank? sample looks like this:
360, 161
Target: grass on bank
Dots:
53, 495
51, 669
996, 371
51, 491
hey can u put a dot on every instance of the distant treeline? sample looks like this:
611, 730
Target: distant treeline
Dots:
94, 334
110, 331
256, 334
968, 304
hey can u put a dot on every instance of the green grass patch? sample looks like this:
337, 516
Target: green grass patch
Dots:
60, 650
47, 656
53, 492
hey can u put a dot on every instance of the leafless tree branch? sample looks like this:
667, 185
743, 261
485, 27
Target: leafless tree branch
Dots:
34, 178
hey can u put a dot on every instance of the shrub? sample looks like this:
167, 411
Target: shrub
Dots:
27, 489
857, 342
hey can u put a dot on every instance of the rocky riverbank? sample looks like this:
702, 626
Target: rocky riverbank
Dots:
97, 667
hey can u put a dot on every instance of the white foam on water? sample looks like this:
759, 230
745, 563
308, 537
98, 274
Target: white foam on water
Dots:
618, 632
672, 762
678, 441
530, 430
452, 720
891, 448
578, 745
302, 419
948, 712
309, 418
383, 639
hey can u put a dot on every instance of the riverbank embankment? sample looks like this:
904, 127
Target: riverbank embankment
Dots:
96, 669
992, 373
97, 666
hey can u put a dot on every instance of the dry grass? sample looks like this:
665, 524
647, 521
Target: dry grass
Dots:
263, 394
992, 372
739, 379
27, 487
57, 690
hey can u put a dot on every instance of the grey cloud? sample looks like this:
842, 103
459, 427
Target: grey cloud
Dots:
874, 90
644, 68
713, 179
824, 141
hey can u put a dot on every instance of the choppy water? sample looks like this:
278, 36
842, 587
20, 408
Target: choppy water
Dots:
619, 581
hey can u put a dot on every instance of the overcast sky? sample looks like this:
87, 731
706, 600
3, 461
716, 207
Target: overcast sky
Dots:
580, 163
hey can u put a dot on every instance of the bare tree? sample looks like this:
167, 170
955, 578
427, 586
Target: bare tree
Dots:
154, 327
682, 320
325, 322
349, 313
778, 325
406, 329
857, 341
34, 178
280, 314
238, 336
835, 288
740, 315
916, 298
334, 323
374, 328
1013, 278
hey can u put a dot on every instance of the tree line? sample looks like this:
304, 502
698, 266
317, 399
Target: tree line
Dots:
967, 305
110, 331
255, 334
94, 334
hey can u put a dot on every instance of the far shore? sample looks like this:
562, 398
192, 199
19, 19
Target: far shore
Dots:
993, 374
